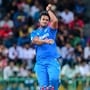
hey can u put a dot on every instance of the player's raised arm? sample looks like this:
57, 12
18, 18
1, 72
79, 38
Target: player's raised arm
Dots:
53, 18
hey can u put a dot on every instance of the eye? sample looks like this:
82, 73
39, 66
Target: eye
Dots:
45, 19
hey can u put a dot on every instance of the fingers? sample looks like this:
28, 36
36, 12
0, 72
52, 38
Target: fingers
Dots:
49, 41
49, 7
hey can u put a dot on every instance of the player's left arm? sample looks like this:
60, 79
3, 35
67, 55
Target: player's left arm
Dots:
53, 18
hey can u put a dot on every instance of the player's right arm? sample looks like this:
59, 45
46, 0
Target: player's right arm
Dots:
36, 40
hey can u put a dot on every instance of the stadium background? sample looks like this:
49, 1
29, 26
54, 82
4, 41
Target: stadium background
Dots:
18, 18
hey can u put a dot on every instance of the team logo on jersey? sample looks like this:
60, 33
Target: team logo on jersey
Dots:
45, 30
44, 36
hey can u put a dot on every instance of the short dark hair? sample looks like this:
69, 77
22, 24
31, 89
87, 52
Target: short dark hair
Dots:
44, 13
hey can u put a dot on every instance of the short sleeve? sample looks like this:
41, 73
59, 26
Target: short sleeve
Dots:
33, 34
52, 32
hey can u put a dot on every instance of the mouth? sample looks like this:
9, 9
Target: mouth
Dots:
44, 24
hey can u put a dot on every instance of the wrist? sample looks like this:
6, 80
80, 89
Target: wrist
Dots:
43, 41
48, 10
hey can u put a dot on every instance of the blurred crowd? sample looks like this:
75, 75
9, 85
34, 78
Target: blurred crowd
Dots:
18, 18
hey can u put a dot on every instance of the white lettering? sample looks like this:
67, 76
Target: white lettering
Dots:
44, 36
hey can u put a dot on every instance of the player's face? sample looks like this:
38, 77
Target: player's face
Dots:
44, 20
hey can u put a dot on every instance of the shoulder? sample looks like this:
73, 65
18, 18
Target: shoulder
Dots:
50, 28
35, 31
7, 68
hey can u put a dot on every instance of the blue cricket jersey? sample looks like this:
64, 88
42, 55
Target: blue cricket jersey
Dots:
45, 51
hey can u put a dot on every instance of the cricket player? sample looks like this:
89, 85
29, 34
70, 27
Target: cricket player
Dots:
47, 67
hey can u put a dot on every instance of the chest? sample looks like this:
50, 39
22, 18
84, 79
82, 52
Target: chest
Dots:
43, 34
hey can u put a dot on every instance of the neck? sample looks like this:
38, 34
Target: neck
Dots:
43, 27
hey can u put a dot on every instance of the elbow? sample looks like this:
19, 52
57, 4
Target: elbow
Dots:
35, 40
55, 21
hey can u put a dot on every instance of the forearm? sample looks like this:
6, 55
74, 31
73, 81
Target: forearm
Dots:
38, 41
53, 17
